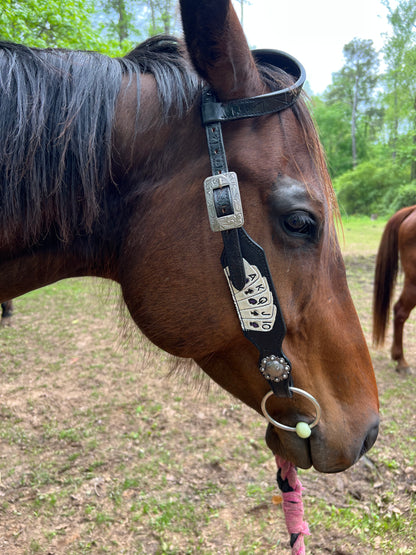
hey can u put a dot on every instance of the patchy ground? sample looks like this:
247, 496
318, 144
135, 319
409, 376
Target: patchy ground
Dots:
100, 453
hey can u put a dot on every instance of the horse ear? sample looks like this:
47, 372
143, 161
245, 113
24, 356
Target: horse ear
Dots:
218, 48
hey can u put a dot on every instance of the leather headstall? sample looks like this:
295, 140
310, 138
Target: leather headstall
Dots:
244, 262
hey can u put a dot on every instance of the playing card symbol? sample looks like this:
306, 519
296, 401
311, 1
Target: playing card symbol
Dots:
254, 303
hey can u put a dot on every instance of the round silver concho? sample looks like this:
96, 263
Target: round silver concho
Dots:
274, 368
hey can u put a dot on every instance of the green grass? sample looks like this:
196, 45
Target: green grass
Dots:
361, 235
387, 524
101, 453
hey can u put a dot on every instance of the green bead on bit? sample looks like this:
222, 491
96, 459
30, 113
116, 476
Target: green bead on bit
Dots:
303, 430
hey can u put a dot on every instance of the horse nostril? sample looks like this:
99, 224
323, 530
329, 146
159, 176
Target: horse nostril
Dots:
370, 439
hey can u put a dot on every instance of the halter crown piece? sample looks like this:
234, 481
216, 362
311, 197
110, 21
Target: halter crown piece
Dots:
244, 262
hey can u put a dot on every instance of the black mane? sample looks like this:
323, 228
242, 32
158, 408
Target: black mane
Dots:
56, 114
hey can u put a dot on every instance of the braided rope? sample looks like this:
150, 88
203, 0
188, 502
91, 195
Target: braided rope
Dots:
291, 487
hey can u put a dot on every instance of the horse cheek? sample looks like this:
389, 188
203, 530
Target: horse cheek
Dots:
176, 299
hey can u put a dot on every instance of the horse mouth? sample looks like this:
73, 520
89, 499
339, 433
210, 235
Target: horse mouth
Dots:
296, 450
300, 452
315, 451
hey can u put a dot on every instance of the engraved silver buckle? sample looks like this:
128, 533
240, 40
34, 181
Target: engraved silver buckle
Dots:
230, 221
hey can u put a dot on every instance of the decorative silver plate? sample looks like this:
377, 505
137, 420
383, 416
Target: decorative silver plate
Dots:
231, 221
254, 303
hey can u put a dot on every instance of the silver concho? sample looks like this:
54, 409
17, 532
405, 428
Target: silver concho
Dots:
275, 368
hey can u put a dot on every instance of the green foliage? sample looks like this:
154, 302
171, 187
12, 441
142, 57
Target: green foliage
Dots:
333, 121
399, 91
355, 82
404, 195
374, 129
353, 86
109, 26
162, 17
362, 190
46, 23
120, 19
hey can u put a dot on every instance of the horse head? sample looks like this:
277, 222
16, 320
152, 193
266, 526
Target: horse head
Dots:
111, 184
177, 291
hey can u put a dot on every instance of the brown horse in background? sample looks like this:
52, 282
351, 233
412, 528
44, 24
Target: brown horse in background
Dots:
102, 165
397, 243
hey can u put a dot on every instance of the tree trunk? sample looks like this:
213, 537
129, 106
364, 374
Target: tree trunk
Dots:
395, 123
354, 124
122, 25
153, 17
413, 163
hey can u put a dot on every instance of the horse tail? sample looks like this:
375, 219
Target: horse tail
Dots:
387, 267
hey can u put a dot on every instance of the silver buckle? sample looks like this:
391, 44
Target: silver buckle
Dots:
231, 221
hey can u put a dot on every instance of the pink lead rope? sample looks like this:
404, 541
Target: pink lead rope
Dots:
291, 487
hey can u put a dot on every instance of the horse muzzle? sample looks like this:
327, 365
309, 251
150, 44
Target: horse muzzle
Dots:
327, 450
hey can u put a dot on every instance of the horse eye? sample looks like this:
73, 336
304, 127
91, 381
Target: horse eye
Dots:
299, 223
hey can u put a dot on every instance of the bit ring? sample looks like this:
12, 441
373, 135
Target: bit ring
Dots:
291, 428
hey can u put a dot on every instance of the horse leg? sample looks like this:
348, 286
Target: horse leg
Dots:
6, 313
401, 311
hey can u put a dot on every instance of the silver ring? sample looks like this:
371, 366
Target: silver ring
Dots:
283, 426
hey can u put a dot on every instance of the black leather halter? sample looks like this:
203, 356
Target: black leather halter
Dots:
244, 261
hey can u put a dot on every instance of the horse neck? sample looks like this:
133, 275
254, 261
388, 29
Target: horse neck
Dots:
24, 269
149, 153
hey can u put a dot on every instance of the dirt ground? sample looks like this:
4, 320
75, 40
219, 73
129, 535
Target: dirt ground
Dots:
102, 453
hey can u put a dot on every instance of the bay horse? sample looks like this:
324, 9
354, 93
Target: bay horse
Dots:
118, 168
397, 247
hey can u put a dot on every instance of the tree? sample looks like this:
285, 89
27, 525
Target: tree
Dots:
355, 83
333, 121
126, 22
119, 23
49, 23
400, 82
164, 16
119, 19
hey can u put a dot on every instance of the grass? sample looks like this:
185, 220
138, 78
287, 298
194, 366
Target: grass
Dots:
361, 235
387, 524
98, 457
